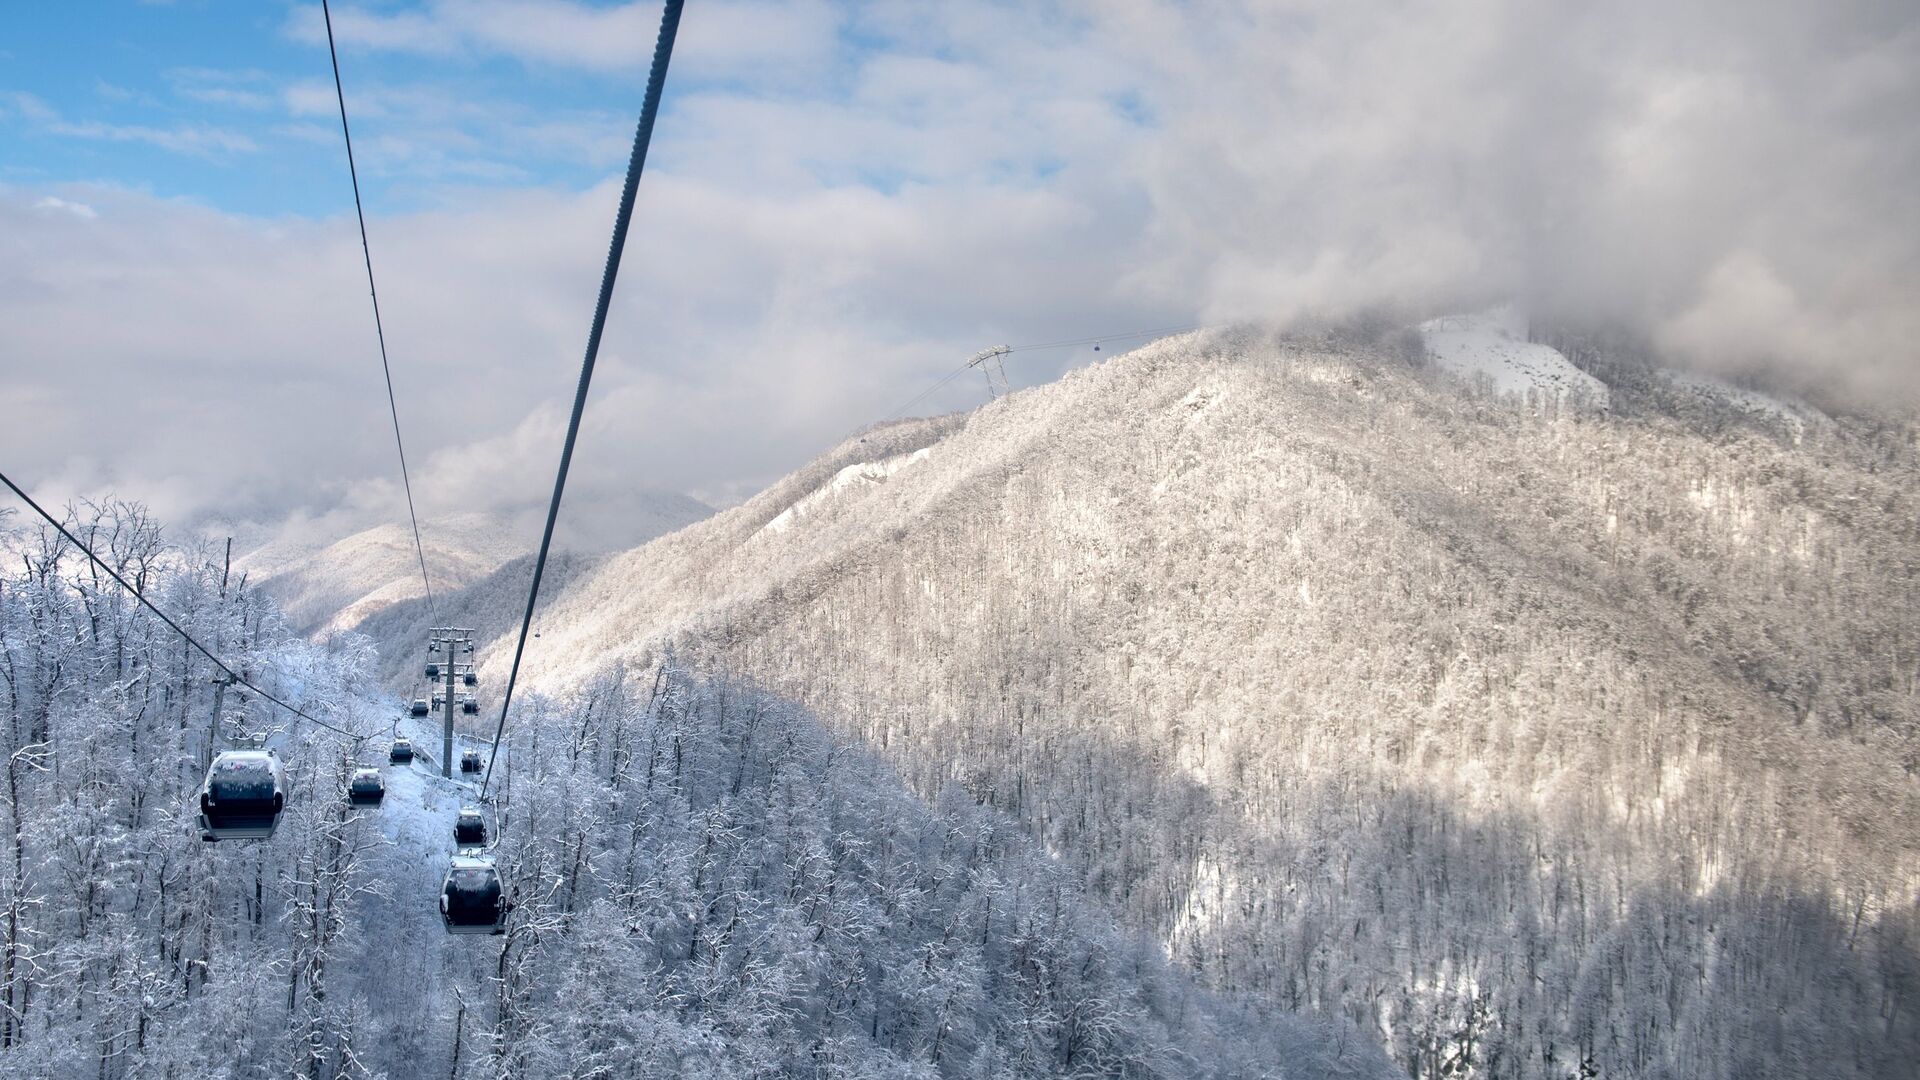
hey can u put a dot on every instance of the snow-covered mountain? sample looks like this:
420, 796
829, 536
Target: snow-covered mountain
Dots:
330, 586
1518, 730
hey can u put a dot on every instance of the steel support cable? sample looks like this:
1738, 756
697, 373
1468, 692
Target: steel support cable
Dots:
642, 137
1106, 337
137, 595
379, 330
928, 392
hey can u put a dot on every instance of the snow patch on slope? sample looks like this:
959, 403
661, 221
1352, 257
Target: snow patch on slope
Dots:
852, 478
1493, 343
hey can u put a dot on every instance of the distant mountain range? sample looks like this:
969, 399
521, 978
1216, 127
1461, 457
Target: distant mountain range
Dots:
323, 586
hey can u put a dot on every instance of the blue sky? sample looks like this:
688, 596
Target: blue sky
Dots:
228, 102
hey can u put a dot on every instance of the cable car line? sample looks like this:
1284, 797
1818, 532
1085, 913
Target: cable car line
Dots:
379, 330
642, 136
901, 409
1107, 337
137, 595
927, 393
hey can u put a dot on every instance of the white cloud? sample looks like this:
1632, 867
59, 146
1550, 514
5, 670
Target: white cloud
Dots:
77, 209
199, 140
1698, 172
1735, 184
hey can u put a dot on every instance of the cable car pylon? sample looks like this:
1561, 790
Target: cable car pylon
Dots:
990, 365
449, 659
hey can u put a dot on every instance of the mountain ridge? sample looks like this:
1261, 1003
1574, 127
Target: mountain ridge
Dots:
1228, 569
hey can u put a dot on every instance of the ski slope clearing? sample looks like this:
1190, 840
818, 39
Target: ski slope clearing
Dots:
846, 484
1492, 345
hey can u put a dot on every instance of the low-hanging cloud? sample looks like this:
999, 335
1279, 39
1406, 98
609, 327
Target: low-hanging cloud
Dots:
1734, 180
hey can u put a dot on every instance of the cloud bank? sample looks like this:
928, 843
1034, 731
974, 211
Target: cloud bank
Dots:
1735, 180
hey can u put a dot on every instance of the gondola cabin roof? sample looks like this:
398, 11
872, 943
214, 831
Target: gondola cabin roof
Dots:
244, 774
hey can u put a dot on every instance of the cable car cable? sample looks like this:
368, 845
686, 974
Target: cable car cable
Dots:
927, 393
901, 410
378, 329
1107, 337
642, 136
137, 595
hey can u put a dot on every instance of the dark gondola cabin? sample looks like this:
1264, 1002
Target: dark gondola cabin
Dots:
402, 752
366, 789
470, 707
433, 671
470, 828
471, 901
469, 679
419, 706
243, 795
469, 761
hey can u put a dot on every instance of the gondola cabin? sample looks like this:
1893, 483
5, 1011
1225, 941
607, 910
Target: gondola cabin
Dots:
401, 753
472, 900
470, 707
469, 679
469, 761
470, 828
419, 706
366, 788
433, 671
243, 795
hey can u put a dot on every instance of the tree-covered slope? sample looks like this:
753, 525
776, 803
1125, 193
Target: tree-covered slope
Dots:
705, 882
1536, 739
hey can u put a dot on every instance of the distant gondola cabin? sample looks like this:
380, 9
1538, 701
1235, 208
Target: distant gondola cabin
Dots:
401, 752
470, 828
469, 761
419, 706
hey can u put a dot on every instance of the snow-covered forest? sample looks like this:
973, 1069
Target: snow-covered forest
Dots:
1535, 739
705, 882
1243, 706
